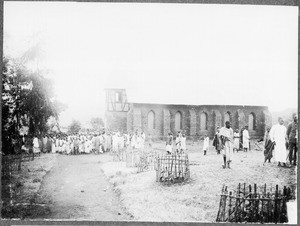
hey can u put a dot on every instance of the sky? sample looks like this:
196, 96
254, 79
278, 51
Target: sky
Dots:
160, 53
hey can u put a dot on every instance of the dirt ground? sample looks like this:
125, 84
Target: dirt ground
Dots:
76, 188
93, 187
197, 200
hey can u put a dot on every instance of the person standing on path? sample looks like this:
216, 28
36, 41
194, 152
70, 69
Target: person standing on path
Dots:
269, 146
226, 134
205, 144
278, 135
236, 140
246, 139
292, 137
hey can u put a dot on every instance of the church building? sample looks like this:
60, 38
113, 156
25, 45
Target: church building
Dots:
193, 120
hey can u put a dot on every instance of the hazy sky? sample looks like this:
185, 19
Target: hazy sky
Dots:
160, 53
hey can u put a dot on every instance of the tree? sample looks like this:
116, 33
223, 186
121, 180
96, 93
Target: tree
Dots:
74, 127
27, 100
97, 123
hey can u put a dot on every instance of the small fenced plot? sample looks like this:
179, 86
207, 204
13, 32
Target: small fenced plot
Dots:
132, 157
172, 168
252, 204
147, 161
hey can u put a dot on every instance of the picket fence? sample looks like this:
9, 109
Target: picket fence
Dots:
172, 168
247, 204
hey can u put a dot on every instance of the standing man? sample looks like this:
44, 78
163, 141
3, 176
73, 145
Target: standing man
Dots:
217, 141
278, 135
292, 137
269, 146
246, 139
226, 135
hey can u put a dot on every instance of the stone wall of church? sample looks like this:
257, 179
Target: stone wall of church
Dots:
189, 119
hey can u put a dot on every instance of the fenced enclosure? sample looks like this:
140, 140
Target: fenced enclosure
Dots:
172, 168
147, 161
132, 157
253, 204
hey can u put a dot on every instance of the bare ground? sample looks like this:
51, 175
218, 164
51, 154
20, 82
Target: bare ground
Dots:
197, 200
77, 189
92, 187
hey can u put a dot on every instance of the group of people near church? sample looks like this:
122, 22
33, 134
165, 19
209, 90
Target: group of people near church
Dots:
277, 140
180, 143
84, 143
241, 140
80, 143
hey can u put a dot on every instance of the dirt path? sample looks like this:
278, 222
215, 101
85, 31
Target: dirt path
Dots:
76, 188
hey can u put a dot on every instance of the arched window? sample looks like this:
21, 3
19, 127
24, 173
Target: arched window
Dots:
151, 120
251, 120
227, 117
203, 121
178, 121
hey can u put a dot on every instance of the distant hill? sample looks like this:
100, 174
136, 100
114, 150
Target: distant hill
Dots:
285, 114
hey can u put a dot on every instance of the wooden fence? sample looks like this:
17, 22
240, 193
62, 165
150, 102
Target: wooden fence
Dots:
147, 161
247, 204
172, 168
132, 157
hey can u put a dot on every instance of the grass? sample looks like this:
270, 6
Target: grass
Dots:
197, 200
25, 186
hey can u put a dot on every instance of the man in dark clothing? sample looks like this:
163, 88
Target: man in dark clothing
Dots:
217, 141
292, 136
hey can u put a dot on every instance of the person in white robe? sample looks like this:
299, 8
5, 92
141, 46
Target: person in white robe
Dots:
133, 141
169, 143
138, 144
246, 139
236, 140
143, 138
226, 135
87, 146
53, 144
278, 135
36, 145
178, 142
183, 143
205, 144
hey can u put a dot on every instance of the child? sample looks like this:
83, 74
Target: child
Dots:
205, 143
183, 143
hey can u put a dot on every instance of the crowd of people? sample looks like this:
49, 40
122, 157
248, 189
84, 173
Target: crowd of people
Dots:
83, 143
277, 140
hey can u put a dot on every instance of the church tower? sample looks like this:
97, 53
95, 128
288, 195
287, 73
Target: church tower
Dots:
116, 110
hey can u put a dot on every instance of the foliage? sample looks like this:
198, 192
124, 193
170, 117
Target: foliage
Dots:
27, 100
74, 127
97, 123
